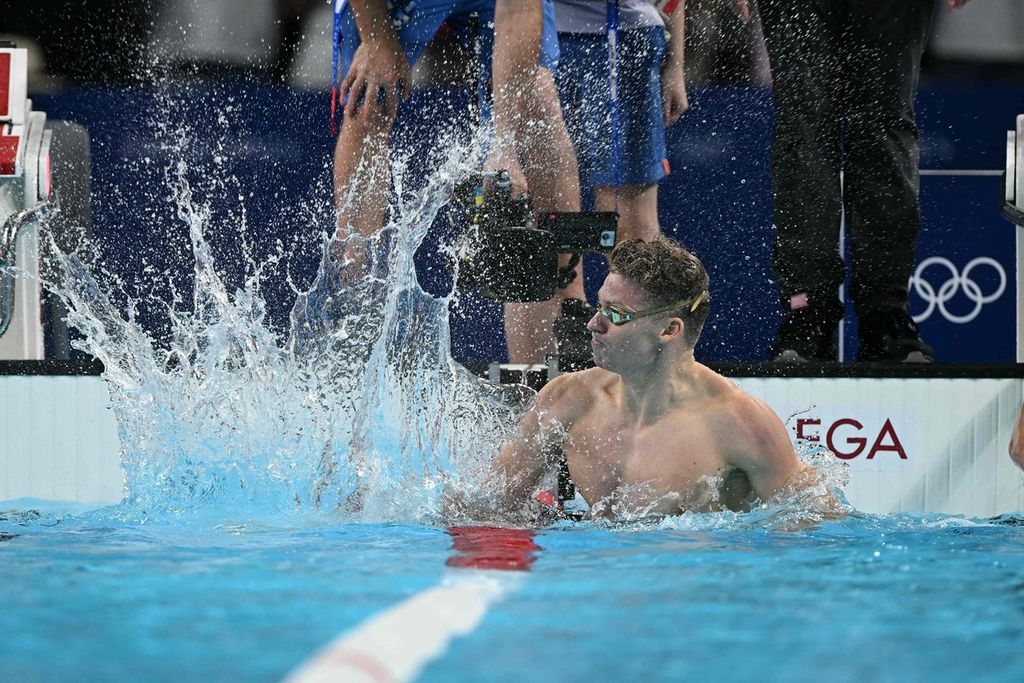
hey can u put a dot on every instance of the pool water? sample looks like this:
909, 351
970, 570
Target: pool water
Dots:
700, 597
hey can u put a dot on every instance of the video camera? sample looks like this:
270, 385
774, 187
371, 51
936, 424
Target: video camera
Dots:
507, 254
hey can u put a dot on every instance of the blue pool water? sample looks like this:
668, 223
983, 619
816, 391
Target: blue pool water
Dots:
702, 597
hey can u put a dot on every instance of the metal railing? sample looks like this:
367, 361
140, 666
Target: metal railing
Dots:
8, 252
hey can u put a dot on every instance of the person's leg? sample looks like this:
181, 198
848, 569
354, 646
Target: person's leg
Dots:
641, 128
637, 206
549, 160
550, 167
802, 38
641, 131
584, 90
549, 163
881, 179
362, 174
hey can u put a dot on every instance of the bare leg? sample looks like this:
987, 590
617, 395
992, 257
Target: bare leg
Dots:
549, 163
638, 210
361, 180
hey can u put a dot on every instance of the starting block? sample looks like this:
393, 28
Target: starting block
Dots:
25, 188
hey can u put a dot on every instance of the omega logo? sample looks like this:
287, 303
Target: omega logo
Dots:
845, 438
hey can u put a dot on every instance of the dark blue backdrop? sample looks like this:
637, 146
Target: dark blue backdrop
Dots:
274, 145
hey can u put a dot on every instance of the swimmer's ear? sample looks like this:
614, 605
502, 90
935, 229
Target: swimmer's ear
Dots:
673, 329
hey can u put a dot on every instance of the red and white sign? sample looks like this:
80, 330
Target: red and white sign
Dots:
5, 83
13, 105
13, 85
849, 438
912, 445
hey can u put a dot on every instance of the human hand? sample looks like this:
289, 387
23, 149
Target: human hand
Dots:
503, 158
741, 8
455, 504
674, 101
465, 503
956, 4
379, 74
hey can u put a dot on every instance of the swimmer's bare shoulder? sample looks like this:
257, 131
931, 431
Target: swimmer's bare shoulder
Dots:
753, 439
570, 396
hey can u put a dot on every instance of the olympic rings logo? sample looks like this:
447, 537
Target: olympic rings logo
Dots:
956, 282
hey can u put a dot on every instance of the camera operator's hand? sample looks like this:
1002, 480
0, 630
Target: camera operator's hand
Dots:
674, 100
502, 158
380, 73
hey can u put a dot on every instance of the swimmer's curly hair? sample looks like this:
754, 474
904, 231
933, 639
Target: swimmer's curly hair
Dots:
668, 272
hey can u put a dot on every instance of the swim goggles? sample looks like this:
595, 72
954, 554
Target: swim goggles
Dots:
617, 316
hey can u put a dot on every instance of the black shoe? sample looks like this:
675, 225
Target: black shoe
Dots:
891, 337
808, 334
572, 336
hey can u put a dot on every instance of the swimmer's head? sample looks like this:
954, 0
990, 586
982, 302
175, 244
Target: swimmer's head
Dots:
669, 273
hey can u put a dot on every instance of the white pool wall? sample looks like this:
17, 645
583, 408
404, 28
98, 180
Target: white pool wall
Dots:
59, 441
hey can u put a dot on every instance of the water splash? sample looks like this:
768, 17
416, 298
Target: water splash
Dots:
813, 496
358, 412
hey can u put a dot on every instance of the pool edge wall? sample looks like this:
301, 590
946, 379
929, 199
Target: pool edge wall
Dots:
927, 444
58, 439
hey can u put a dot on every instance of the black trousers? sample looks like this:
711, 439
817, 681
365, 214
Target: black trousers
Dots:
844, 78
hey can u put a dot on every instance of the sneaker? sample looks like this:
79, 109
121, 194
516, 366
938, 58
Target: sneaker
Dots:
807, 333
572, 336
892, 337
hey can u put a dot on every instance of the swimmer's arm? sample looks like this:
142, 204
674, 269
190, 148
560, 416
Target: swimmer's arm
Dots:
517, 31
762, 449
534, 451
512, 476
1017, 441
516, 471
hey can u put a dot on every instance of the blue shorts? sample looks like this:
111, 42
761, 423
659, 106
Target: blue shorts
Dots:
583, 88
425, 17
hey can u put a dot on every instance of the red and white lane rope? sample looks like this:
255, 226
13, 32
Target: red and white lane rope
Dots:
396, 644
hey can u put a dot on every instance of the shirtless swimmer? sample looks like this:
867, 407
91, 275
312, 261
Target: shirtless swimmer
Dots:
649, 430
